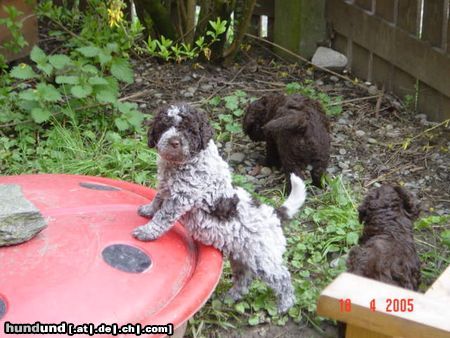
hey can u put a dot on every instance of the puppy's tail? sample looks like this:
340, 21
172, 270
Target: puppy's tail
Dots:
294, 201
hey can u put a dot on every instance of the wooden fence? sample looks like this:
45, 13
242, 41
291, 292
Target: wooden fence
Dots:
401, 45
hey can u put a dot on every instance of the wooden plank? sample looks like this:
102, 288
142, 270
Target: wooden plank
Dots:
447, 18
429, 318
408, 14
435, 105
441, 286
433, 19
340, 43
264, 7
360, 61
366, 4
359, 332
29, 29
403, 83
385, 9
382, 73
402, 49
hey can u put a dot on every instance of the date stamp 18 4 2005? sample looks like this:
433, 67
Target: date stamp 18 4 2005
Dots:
387, 305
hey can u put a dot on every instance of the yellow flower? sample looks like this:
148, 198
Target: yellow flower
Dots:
115, 13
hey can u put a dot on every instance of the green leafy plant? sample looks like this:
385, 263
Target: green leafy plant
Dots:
166, 49
332, 105
60, 84
14, 26
229, 122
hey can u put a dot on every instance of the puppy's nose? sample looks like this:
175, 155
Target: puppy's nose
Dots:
174, 143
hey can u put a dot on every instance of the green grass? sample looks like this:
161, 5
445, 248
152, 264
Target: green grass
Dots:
74, 150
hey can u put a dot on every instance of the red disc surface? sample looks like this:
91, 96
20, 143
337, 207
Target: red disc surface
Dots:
65, 273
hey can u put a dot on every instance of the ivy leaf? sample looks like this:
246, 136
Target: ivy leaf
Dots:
233, 127
106, 96
23, 72
231, 102
67, 79
38, 55
214, 101
89, 51
59, 61
40, 115
121, 70
48, 93
81, 91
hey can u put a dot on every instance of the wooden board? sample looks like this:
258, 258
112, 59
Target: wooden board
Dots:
429, 318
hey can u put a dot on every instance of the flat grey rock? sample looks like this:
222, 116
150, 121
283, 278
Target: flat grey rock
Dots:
328, 58
20, 220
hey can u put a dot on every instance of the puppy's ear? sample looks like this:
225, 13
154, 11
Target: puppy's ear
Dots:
206, 131
291, 122
409, 203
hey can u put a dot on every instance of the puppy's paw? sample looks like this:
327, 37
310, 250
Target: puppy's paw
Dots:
146, 211
144, 233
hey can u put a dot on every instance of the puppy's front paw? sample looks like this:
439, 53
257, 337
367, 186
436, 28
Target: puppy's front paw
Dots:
144, 233
146, 211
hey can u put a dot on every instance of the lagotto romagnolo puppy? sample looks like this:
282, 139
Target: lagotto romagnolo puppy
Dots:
195, 187
386, 250
296, 131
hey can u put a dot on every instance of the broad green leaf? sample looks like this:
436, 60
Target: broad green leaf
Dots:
121, 124
40, 115
48, 93
45, 68
59, 61
106, 96
104, 57
29, 95
23, 72
38, 55
89, 51
233, 127
214, 101
445, 236
121, 70
231, 102
90, 69
97, 80
238, 112
134, 118
254, 320
67, 79
81, 91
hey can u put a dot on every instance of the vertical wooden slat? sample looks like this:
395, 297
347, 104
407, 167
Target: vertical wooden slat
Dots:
407, 15
366, 4
360, 61
432, 103
433, 19
403, 83
382, 73
385, 9
448, 27
340, 43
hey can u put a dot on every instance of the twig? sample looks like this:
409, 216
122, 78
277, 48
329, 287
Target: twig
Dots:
378, 105
305, 60
355, 100
223, 87
383, 176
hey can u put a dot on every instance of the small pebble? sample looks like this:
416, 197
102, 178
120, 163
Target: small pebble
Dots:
371, 140
360, 133
334, 78
265, 171
342, 151
237, 157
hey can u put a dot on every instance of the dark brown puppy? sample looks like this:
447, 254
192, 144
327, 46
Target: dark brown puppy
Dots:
386, 250
296, 131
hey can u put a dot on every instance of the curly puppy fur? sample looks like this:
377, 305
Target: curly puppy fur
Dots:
296, 131
195, 187
386, 250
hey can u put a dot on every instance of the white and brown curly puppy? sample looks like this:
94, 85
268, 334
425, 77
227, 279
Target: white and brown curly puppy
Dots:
195, 187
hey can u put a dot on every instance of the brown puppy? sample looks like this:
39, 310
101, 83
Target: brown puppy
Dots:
386, 250
296, 131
